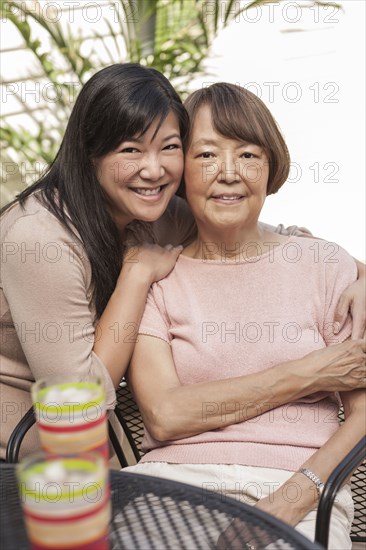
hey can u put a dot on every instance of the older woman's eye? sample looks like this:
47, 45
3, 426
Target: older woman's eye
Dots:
172, 147
206, 155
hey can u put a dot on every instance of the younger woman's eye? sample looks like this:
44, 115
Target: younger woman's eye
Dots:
129, 150
247, 155
206, 155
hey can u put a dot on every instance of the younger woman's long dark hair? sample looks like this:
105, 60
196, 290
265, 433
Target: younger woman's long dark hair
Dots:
116, 104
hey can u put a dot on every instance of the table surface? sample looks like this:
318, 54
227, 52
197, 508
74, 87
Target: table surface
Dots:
154, 513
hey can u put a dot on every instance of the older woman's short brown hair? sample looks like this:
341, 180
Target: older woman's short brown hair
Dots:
239, 114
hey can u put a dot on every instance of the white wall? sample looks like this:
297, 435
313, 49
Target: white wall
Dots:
313, 62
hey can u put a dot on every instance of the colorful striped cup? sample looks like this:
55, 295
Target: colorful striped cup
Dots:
66, 501
71, 415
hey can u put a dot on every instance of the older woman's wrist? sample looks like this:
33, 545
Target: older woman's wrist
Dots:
303, 496
298, 377
292, 501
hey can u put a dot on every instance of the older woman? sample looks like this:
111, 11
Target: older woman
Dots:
230, 366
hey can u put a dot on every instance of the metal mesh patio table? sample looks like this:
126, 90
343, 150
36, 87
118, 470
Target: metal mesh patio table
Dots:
154, 513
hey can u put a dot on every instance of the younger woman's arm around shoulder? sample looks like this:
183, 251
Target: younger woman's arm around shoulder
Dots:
116, 331
352, 300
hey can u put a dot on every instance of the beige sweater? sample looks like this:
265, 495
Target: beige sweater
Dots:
47, 315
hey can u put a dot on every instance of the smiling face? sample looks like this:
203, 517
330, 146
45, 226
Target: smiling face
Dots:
226, 179
141, 176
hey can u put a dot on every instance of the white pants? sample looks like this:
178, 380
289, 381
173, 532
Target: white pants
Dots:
249, 484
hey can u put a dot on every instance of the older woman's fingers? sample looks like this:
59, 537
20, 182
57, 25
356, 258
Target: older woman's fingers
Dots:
358, 322
241, 535
341, 312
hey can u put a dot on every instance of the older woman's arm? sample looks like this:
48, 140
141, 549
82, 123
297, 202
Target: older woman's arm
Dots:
172, 411
321, 463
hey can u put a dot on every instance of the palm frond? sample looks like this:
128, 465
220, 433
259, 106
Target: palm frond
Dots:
174, 36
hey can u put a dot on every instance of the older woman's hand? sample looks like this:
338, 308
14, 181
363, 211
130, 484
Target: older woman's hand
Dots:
340, 367
353, 300
242, 535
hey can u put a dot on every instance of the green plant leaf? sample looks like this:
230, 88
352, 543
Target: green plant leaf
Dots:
174, 36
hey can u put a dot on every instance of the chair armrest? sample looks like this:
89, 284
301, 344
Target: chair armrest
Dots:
20, 430
128, 434
18, 434
335, 481
116, 445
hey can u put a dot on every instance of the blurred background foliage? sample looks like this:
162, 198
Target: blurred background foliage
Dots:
174, 36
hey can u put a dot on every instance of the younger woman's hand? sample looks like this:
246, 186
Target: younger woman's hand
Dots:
152, 261
353, 300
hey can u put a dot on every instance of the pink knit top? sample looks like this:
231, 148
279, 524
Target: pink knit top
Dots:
226, 318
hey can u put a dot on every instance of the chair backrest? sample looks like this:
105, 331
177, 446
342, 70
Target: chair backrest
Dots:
129, 417
358, 486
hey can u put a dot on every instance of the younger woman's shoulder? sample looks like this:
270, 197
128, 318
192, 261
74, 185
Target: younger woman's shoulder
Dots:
322, 253
176, 226
19, 214
32, 219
